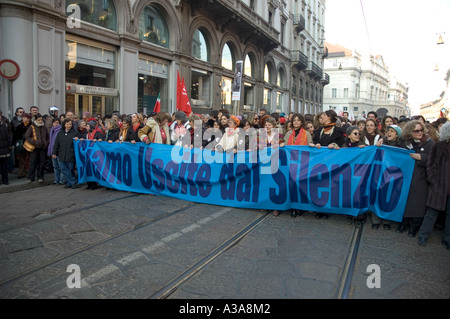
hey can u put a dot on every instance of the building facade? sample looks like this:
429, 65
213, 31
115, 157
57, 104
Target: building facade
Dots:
101, 56
360, 84
441, 106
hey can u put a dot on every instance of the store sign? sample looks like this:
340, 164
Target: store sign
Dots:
90, 90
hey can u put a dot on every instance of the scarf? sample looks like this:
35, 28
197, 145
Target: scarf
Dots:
301, 138
328, 127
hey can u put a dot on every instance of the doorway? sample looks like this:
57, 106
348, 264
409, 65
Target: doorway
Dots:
81, 103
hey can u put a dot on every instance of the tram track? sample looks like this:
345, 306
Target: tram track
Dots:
63, 257
52, 214
343, 286
173, 285
349, 267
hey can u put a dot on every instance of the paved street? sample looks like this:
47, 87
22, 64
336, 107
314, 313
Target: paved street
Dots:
133, 246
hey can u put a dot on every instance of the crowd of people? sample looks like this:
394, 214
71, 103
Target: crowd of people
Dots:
34, 143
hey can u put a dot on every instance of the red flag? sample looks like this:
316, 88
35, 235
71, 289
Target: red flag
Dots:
441, 114
178, 89
183, 103
157, 107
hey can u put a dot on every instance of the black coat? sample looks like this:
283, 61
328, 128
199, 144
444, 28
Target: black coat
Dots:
5, 136
437, 173
63, 147
416, 204
324, 139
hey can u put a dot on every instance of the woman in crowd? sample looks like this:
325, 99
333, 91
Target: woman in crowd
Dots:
112, 132
156, 129
416, 139
370, 134
230, 138
328, 135
179, 129
213, 134
297, 136
63, 150
270, 137
353, 138
137, 122
438, 174
19, 136
309, 127
58, 175
387, 120
392, 137
253, 119
361, 124
37, 136
127, 133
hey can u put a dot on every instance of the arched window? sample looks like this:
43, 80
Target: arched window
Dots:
98, 12
153, 27
280, 78
268, 73
227, 57
248, 66
200, 47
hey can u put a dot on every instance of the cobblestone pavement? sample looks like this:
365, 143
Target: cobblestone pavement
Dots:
132, 246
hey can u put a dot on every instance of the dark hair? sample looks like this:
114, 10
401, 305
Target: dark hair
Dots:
374, 113
332, 115
66, 121
300, 117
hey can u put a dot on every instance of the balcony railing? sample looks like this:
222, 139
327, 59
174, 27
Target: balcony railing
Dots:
314, 70
299, 22
299, 59
325, 79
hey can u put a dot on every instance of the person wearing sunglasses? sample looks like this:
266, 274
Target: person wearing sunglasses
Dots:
416, 138
353, 138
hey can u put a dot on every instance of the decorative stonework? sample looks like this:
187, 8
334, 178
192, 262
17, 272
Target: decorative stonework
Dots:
45, 80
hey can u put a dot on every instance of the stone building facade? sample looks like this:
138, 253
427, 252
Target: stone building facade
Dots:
101, 56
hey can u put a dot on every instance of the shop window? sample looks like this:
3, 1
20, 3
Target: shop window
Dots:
98, 12
200, 48
153, 27
201, 88
152, 82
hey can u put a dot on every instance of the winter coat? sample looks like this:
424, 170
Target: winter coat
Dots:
418, 192
228, 141
112, 135
41, 136
336, 136
5, 137
63, 146
152, 131
437, 173
51, 139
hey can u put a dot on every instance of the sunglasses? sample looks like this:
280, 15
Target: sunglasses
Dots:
356, 133
418, 131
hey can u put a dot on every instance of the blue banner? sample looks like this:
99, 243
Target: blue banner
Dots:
348, 181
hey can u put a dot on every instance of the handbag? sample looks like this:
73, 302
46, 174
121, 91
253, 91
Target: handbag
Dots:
27, 145
18, 147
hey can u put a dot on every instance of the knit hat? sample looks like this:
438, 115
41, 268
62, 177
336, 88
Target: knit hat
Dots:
235, 120
396, 128
27, 115
92, 124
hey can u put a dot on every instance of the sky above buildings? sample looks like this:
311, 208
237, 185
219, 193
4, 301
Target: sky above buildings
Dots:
404, 32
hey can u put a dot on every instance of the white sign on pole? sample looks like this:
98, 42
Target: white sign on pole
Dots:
237, 83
